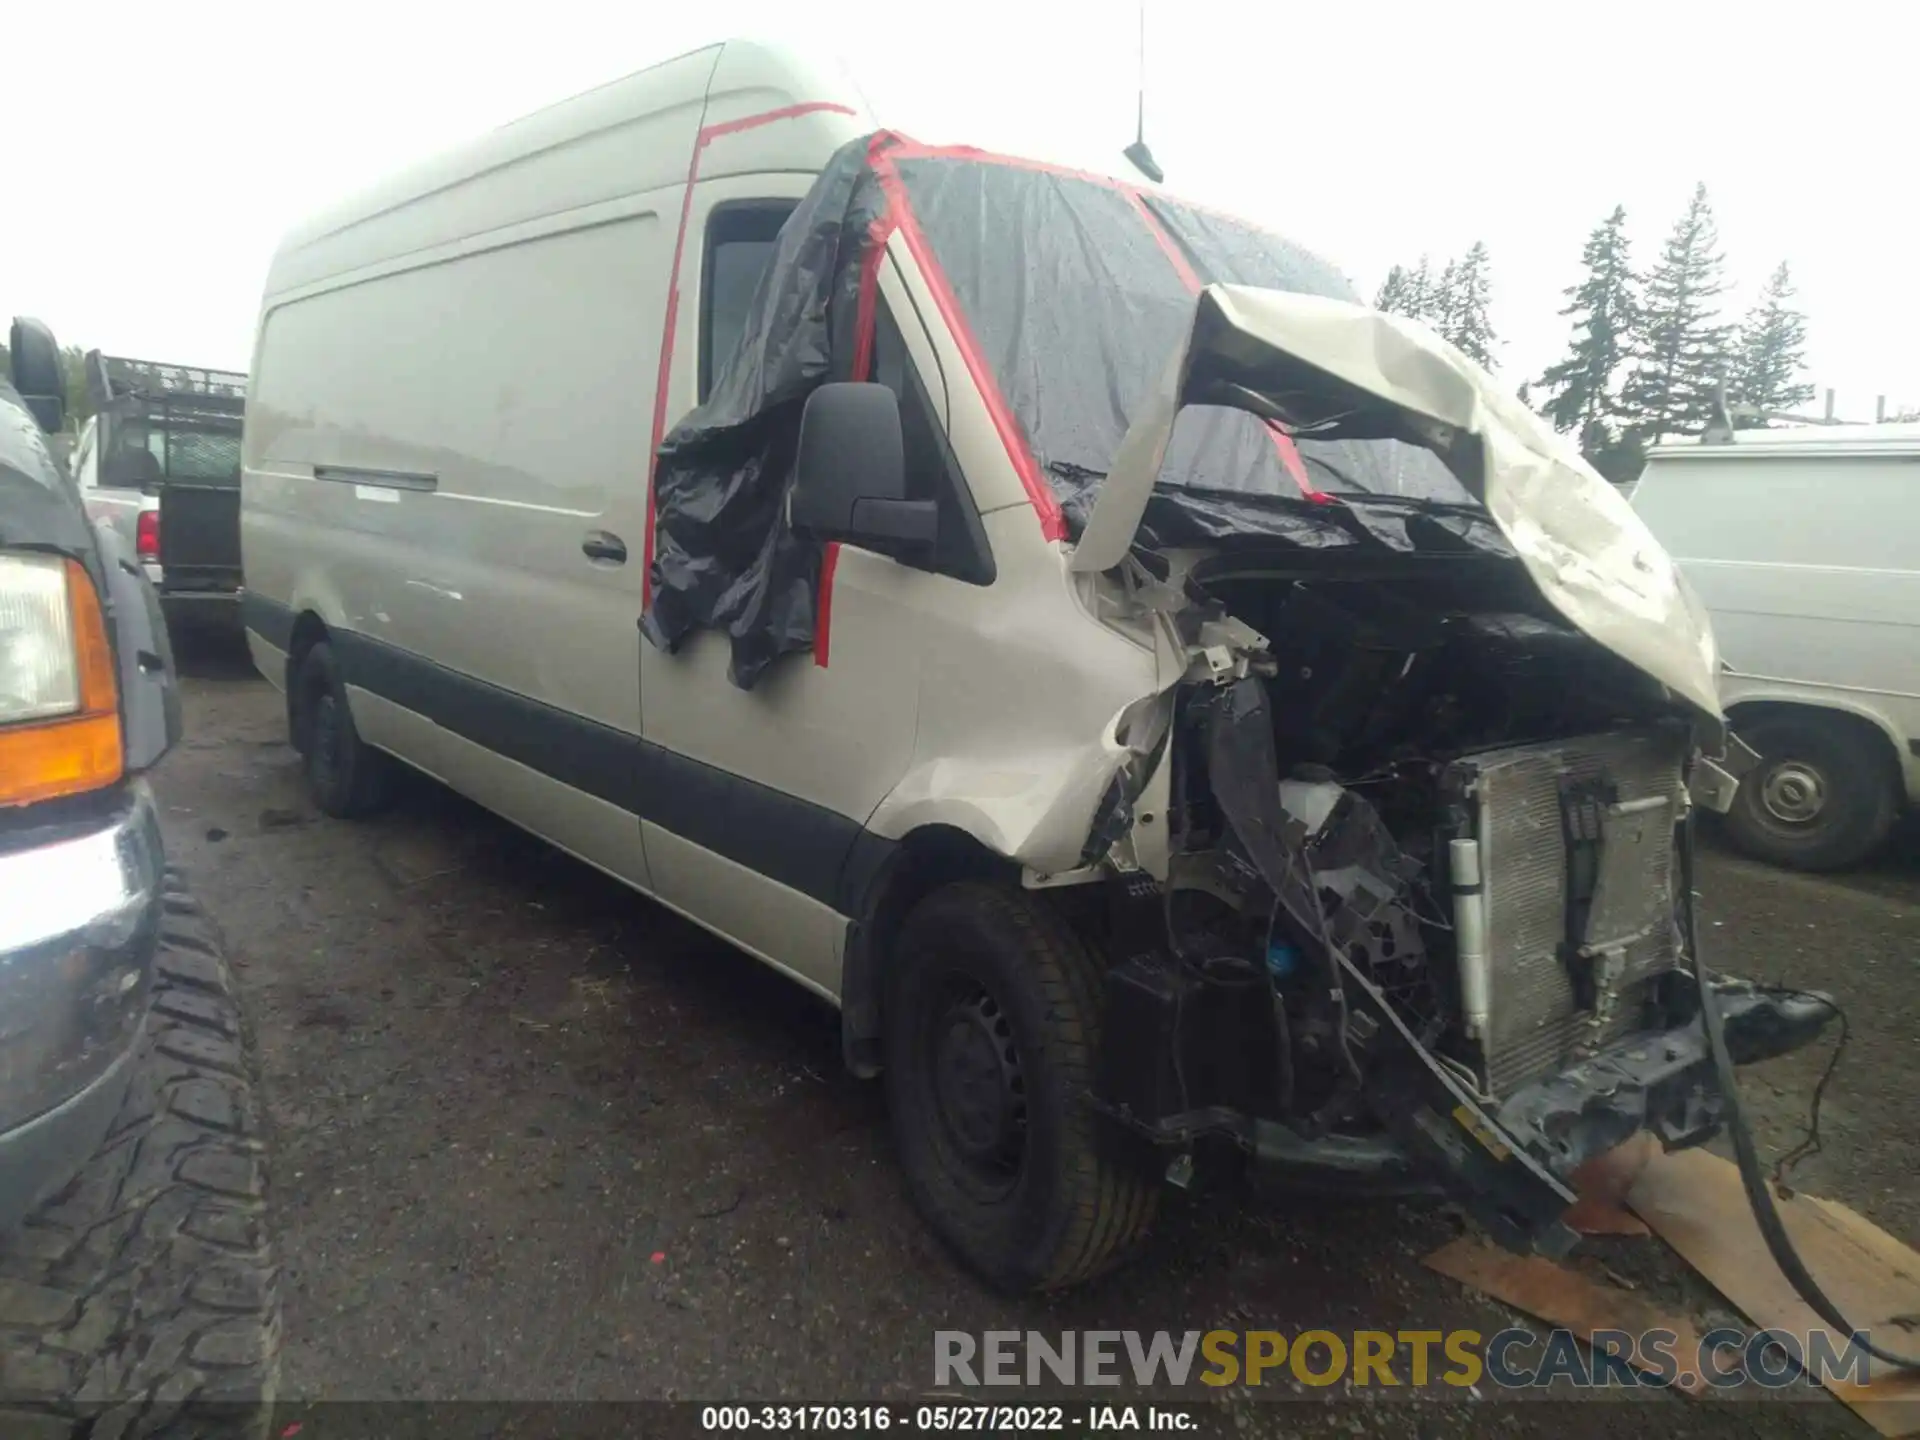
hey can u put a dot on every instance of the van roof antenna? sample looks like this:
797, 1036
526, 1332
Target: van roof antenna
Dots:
1137, 153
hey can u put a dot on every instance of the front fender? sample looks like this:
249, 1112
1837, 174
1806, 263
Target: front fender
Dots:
1034, 807
149, 684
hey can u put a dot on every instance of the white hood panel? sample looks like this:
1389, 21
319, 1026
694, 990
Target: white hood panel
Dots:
1586, 549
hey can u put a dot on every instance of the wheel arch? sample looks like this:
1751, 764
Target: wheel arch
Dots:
886, 880
309, 629
1854, 717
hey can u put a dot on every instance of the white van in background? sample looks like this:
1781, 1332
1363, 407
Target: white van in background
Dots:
1804, 546
837, 576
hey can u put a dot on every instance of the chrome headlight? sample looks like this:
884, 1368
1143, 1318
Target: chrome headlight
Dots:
59, 699
39, 665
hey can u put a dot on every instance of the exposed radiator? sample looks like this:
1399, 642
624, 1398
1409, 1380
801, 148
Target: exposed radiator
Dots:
1534, 1025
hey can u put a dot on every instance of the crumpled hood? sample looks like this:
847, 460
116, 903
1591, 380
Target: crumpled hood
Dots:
1335, 369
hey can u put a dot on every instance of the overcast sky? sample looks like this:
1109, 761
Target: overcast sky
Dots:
165, 148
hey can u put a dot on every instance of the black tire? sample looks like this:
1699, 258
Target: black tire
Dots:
985, 983
1823, 797
347, 777
142, 1298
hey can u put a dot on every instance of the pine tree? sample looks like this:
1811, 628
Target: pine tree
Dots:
1583, 389
1408, 292
1445, 297
1771, 353
1681, 346
1393, 292
1454, 304
1421, 292
1462, 318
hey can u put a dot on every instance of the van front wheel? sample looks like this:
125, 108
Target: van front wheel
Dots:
992, 1024
1823, 796
347, 776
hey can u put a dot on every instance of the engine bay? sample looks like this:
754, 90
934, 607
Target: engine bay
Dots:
1394, 707
1431, 827
1378, 671
1422, 907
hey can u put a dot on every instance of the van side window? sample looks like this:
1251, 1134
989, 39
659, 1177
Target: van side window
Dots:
739, 243
961, 549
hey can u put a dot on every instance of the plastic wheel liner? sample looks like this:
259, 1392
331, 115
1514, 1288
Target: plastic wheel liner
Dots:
1067, 293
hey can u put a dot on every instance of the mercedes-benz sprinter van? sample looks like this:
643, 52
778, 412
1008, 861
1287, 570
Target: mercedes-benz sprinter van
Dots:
1181, 717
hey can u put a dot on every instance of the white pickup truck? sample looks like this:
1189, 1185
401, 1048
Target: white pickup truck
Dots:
160, 462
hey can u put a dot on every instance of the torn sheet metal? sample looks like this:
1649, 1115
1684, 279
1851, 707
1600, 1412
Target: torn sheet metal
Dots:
1716, 778
1308, 836
1333, 367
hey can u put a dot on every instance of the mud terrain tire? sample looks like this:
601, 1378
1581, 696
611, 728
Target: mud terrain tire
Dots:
142, 1299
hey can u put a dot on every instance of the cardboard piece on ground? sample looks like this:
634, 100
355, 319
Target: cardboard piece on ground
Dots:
1694, 1202
1565, 1298
1592, 1216
1602, 1184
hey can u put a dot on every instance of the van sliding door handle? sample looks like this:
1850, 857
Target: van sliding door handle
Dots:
599, 545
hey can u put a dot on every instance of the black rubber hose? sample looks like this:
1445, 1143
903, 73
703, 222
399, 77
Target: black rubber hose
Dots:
1759, 1198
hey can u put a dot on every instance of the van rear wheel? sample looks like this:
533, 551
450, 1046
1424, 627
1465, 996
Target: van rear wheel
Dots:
347, 777
1823, 796
992, 1025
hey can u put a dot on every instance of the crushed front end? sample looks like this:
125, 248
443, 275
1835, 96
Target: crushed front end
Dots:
1425, 918
1420, 911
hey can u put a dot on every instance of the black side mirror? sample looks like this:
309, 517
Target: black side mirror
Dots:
850, 477
35, 362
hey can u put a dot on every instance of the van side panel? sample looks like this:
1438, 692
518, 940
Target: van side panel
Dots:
444, 490
794, 933
586, 827
1810, 568
628, 137
476, 460
446, 451
454, 389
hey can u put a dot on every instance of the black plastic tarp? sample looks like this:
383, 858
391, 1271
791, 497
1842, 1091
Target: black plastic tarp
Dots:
1073, 293
1078, 292
722, 555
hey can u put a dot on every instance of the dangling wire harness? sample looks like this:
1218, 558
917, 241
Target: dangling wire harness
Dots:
1765, 1213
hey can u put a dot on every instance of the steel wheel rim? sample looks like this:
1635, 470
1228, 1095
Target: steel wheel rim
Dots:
978, 1085
1794, 793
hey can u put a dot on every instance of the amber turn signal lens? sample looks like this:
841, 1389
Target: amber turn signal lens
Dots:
69, 755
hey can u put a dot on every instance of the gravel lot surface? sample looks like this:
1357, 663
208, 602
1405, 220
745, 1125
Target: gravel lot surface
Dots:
537, 1138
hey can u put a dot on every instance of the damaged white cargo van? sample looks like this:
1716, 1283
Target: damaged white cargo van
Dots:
1183, 719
